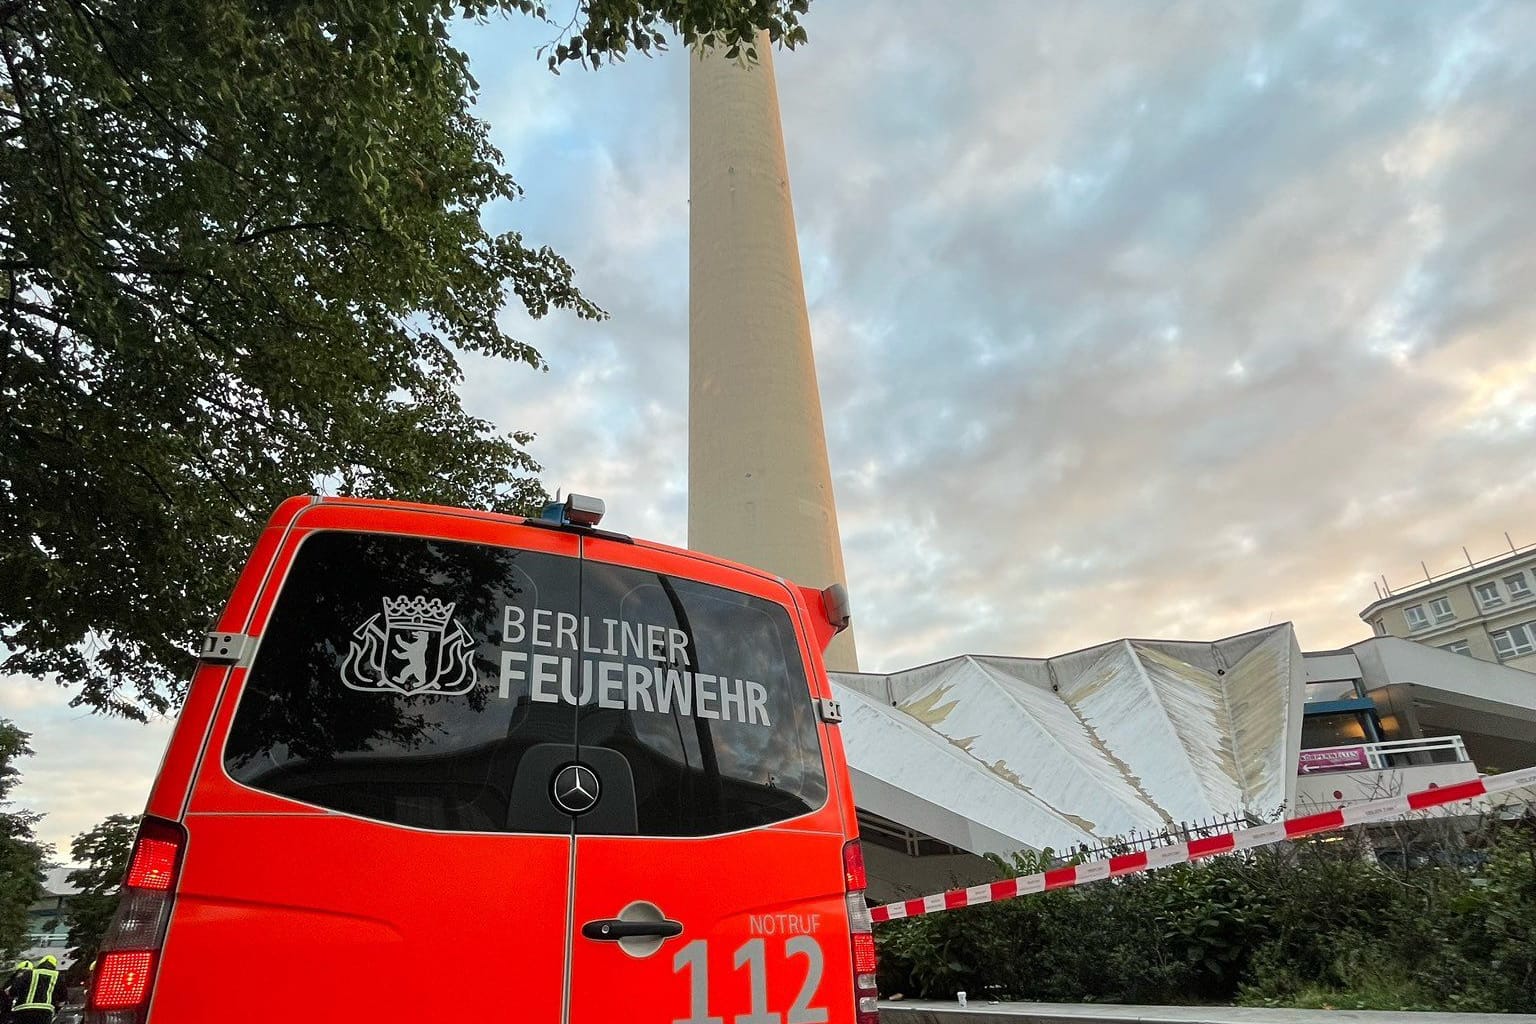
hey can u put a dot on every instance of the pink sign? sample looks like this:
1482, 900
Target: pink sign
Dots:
1333, 759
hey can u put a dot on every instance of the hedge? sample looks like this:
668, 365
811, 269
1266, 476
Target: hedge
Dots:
1425, 917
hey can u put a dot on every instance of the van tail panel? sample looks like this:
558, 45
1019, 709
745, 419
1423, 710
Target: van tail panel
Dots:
717, 831
764, 929
332, 918
376, 790
348, 837
865, 960
819, 616
255, 576
173, 784
168, 798
131, 949
391, 506
806, 610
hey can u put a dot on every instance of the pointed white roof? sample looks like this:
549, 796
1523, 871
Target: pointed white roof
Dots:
995, 754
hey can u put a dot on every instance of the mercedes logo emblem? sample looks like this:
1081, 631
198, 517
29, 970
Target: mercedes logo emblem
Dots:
576, 789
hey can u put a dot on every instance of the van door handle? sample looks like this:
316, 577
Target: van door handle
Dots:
614, 929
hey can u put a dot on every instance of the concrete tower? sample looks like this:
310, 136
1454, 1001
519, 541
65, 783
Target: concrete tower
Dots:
759, 488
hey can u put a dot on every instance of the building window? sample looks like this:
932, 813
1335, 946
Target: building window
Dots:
1458, 647
1440, 608
1336, 729
1517, 586
1333, 689
1488, 595
1516, 640
1414, 613
1381, 627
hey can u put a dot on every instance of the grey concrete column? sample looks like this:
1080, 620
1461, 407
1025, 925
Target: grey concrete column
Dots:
759, 486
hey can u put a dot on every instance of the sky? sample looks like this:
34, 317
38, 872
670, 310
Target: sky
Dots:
1130, 319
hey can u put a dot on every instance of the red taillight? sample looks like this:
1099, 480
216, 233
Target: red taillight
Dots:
854, 877
125, 970
865, 997
122, 980
153, 865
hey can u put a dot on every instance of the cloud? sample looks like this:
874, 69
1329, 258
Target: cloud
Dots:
1166, 320
1129, 320
1214, 316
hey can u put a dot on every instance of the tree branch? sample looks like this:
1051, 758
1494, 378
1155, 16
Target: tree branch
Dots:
303, 225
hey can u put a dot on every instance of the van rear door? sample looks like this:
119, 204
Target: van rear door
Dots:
708, 876
370, 832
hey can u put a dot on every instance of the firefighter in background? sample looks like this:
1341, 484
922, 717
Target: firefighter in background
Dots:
5, 990
32, 991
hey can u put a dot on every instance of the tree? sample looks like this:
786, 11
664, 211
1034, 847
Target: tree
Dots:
22, 857
243, 253
102, 854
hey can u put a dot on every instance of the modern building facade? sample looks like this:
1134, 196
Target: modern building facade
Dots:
48, 919
1426, 715
1486, 610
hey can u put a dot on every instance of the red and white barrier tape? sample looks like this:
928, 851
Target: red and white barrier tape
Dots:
1207, 846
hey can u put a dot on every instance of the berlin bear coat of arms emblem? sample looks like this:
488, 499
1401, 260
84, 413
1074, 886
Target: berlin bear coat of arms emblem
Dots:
415, 646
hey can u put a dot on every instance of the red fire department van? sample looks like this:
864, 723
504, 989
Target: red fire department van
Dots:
445, 765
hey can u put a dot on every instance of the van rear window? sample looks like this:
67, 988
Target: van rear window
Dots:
438, 685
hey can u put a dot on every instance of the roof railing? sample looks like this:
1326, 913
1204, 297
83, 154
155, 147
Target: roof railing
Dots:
1405, 753
1384, 589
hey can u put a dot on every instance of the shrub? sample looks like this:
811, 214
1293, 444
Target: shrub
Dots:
1317, 923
